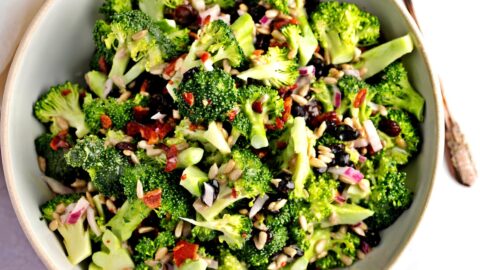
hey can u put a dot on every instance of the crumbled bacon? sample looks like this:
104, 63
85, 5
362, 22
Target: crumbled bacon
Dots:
140, 112
66, 92
279, 124
189, 98
204, 57
257, 106
234, 193
153, 198
60, 140
105, 121
294, 21
279, 23
146, 132
172, 159
183, 177
162, 129
287, 108
170, 68
145, 85
184, 251
360, 97
102, 65
232, 114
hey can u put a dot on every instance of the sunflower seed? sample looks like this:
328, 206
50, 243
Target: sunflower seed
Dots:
212, 173
143, 230
276, 181
179, 229
271, 13
53, 225
79, 183
317, 163
140, 193
42, 163
290, 251
226, 168
346, 260
261, 240
139, 35
61, 122
161, 253
243, 211
90, 199
303, 222
124, 96
281, 260
235, 174
111, 206
299, 99
320, 246
320, 130
330, 80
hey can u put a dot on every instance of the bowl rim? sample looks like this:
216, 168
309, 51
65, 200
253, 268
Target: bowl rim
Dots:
14, 70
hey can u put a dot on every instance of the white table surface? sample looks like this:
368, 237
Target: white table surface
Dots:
447, 237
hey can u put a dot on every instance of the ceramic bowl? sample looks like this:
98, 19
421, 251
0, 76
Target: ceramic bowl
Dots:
57, 47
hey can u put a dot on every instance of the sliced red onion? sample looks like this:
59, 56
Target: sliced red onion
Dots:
258, 205
353, 174
107, 88
340, 199
362, 159
208, 196
347, 174
77, 212
372, 135
265, 20
57, 186
208, 65
158, 116
92, 222
306, 71
337, 97
225, 18
353, 72
360, 142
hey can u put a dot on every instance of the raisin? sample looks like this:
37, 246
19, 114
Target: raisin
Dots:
125, 146
390, 127
185, 15
346, 133
263, 42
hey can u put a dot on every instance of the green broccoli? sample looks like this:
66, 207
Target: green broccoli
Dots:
292, 33
323, 94
230, 262
389, 198
128, 218
56, 165
212, 138
322, 192
356, 96
236, 229
204, 234
308, 42
155, 8
261, 105
222, 3
244, 30
60, 105
172, 40
395, 90
274, 68
254, 181
207, 96
342, 251
112, 7
175, 200
147, 247
49, 207
105, 165
341, 27
112, 255
281, 5
216, 39
100, 32
376, 59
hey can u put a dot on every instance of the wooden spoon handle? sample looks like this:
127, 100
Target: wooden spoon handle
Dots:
460, 154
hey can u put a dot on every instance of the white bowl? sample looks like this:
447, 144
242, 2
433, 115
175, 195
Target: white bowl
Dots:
57, 47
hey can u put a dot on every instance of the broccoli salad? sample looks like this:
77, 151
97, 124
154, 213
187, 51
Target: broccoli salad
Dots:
222, 134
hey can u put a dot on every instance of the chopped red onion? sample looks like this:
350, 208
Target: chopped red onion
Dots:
362, 159
360, 142
347, 174
56, 186
337, 97
265, 20
306, 71
225, 18
158, 116
258, 205
353, 72
77, 212
340, 199
208, 194
372, 135
92, 222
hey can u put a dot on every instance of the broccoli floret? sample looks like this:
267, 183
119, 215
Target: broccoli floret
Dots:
55, 164
155, 8
323, 94
254, 181
173, 41
299, 140
281, 5
356, 96
222, 3
236, 229
259, 259
390, 197
341, 27
230, 262
175, 200
321, 193
213, 136
147, 247
395, 90
105, 165
112, 255
378, 58
244, 30
60, 105
207, 95
342, 251
308, 42
292, 33
112, 7
100, 32
261, 105
49, 207
128, 217
216, 39
204, 234
273, 68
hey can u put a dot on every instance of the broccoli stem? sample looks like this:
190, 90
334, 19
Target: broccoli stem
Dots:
127, 219
134, 72
215, 136
189, 157
96, 81
120, 62
244, 31
378, 58
302, 164
308, 41
258, 134
76, 240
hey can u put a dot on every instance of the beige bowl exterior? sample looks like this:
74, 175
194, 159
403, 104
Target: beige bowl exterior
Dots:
57, 47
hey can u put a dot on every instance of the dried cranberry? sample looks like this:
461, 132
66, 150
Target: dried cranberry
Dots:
125, 146
330, 117
185, 15
390, 127
372, 238
257, 12
262, 42
257, 106
346, 133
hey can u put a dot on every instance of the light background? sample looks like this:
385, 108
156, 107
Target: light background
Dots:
447, 237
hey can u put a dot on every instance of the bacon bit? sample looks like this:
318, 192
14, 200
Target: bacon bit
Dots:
281, 145
234, 193
257, 106
184, 251
140, 112
193, 127
147, 133
193, 35
170, 68
183, 177
207, 20
102, 65
276, 43
271, 127
294, 21
162, 129
66, 92
279, 124
287, 89
105, 121
204, 57
232, 114
244, 235
145, 85
283, 264
360, 98
258, 52
318, 120
60, 141
261, 153
153, 198
172, 158
189, 98
277, 24
287, 108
